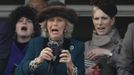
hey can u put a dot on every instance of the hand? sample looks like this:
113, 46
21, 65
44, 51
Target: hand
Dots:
46, 54
65, 57
94, 53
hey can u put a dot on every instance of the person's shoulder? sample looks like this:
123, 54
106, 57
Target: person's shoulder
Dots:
87, 42
38, 42
77, 41
77, 45
131, 25
4, 26
38, 39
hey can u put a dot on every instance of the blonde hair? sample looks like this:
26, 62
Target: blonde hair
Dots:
67, 33
94, 8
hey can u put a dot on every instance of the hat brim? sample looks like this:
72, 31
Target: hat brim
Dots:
61, 11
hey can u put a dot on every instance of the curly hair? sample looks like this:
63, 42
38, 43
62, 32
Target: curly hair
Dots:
68, 14
67, 34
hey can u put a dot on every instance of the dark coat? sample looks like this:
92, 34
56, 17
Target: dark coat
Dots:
5, 40
125, 63
36, 45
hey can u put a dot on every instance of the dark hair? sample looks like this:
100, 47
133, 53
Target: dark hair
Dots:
55, 3
24, 11
107, 6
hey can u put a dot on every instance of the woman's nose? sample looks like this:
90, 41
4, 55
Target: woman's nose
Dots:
54, 22
100, 21
24, 21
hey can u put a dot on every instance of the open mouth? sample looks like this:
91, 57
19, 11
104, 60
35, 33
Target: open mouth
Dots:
55, 30
101, 28
24, 28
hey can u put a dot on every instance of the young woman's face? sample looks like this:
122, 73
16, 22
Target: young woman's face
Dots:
102, 22
56, 27
24, 27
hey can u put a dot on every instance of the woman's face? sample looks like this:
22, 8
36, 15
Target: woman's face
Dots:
24, 27
56, 27
102, 22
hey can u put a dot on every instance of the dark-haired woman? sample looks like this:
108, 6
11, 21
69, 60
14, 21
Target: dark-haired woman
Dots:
23, 20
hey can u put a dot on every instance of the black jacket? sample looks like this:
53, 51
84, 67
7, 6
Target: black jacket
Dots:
5, 40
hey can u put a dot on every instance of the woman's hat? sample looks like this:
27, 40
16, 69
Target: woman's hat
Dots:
107, 6
61, 11
24, 11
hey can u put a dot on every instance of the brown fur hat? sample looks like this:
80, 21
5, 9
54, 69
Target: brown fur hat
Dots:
61, 11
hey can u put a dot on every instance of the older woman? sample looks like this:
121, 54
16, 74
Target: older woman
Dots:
54, 53
101, 50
